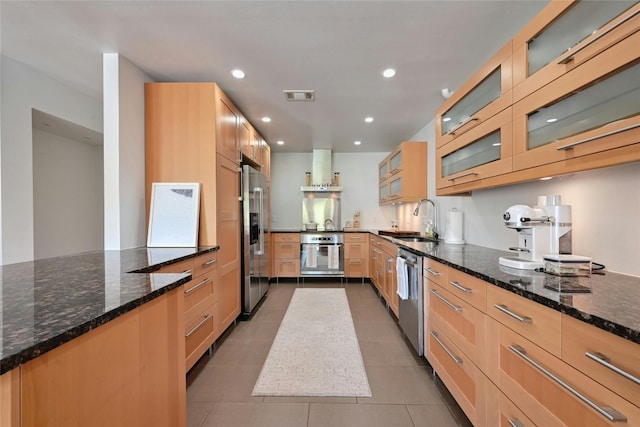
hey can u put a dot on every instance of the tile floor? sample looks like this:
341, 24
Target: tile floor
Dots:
405, 393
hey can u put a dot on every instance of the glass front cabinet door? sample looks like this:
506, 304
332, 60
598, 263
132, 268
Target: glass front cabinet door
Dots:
594, 108
485, 94
565, 35
483, 152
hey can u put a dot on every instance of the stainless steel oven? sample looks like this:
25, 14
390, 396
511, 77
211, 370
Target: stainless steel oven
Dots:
322, 254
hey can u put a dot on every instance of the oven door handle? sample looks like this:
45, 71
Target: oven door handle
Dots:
409, 263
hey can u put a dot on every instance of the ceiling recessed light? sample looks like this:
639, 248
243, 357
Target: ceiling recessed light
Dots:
238, 74
551, 120
368, 119
357, 142
496, 144
280, 142
546, 178
446, 119
266, 119
389, 72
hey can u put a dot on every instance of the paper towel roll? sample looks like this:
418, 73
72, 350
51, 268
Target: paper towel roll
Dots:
454, 228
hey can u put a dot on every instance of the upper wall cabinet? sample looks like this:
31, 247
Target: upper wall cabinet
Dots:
565, 35
594, 108
403, 174
483, 152
485, 94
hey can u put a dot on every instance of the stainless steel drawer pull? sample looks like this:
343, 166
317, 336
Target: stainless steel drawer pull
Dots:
444, 347
462, 124
198, 326
430, 271
503, 308
457, 285
446, 301
598, 37
515, 423
606, 362
204, 282
208, 263
606, 411
593, 138
462, 176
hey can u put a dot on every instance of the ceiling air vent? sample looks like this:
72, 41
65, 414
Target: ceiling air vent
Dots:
300, 95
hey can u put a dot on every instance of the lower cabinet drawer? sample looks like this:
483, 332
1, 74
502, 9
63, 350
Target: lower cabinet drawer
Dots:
198, 294
356, 267
463, 379
538, 323
199, 336
608, 359
502, 412
287, 267
460, 321
551, 392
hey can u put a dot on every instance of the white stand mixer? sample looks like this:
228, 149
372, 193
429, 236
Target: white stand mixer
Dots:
543, 229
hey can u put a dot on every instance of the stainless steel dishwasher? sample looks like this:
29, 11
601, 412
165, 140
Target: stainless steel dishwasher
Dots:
411, 309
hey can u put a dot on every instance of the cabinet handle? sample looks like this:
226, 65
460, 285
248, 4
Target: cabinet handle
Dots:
286, 262
446, 301
606, 362
515, 423
444, 347
461, 124
462, 176
389, 263
354, 261
430, 271
569, 57
198, 326
285, 246
458, 286
593, 138
208, 263
608, 412
503, 308
204, 282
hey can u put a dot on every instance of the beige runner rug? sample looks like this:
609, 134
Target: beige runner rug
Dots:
316, 351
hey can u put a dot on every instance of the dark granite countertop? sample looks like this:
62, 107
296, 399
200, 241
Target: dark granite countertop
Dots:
48, 302
612, 302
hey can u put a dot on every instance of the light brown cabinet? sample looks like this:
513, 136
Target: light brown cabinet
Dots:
286, 254
565, 35
483, 152
590, 110
455, 336
549, 391
194, 134
481, 97
356, 255
571, 78
403, 174
383, 270
126, 372
200, 304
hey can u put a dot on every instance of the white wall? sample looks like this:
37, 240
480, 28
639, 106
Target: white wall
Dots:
358, 177
124, 179
68, 195
24, 89
605, 205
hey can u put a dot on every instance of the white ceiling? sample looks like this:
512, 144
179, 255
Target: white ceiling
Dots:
337, 48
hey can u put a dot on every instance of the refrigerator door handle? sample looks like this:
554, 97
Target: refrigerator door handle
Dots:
260, 198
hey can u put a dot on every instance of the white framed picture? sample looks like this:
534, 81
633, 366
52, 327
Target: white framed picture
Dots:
174, 215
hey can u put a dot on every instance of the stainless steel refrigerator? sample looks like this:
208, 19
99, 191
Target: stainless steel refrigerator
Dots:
255, 227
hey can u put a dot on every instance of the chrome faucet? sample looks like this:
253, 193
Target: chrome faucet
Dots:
435, 213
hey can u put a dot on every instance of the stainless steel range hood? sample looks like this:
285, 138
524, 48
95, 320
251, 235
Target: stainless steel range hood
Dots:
321, 175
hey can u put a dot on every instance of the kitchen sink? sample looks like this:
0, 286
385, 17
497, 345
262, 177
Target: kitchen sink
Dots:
416, 239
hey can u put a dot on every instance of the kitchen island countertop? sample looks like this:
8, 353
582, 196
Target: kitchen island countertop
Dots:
46, 303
